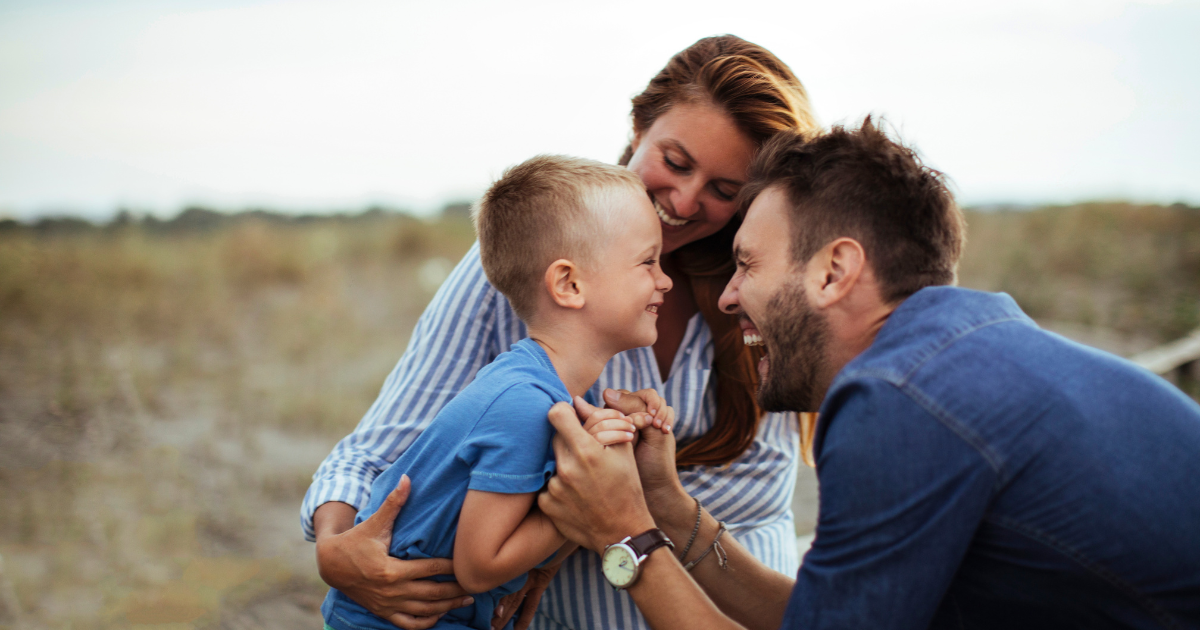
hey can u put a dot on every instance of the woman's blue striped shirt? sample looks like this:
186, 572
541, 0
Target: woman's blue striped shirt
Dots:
468, 324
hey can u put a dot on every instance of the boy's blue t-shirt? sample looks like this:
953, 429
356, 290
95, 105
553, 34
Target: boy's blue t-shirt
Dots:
493, 436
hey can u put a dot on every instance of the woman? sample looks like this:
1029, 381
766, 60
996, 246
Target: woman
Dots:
695, 129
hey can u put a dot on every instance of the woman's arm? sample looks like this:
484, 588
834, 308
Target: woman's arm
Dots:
499, 538
358, 558
456, 336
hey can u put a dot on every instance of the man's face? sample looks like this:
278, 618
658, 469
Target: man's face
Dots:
768, 294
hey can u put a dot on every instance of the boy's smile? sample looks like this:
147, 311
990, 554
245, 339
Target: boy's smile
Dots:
626, 283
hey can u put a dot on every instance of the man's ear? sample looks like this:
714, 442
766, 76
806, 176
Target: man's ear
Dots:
564, 284
835, 271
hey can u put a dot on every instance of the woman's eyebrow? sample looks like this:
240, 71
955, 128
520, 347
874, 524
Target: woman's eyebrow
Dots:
678, 146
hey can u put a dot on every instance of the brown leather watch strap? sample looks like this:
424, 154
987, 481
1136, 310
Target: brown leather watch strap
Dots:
648, 541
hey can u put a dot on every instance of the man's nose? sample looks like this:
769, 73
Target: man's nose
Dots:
728, 301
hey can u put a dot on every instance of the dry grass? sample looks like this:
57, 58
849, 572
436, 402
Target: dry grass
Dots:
164, 397
1131, 269
166, 390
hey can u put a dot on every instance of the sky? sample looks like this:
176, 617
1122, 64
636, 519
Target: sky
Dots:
314, 106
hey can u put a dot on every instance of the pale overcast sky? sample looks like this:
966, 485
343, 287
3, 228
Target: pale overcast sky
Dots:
336, 105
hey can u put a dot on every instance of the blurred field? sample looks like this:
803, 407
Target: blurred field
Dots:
167, 388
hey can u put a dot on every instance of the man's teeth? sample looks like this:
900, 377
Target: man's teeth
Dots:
666, 218
752, 339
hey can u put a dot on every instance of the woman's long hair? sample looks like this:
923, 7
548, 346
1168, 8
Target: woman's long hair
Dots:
762, 95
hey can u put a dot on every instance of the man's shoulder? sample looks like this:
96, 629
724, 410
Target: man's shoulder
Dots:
929, 322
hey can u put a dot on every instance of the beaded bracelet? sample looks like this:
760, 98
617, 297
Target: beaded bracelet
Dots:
695, 530
722, 559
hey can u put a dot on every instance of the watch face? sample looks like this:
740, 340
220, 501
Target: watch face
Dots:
619, 565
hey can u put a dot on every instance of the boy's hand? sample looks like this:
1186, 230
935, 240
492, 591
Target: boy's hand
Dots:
525, 600
608, 426
662, 415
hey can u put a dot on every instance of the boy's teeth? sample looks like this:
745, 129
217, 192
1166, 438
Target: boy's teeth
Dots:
652, 308
666, 218
751, 339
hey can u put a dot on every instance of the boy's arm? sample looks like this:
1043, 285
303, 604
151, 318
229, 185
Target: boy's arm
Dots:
499, 538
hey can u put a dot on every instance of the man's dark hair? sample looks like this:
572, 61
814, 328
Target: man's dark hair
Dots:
861, 184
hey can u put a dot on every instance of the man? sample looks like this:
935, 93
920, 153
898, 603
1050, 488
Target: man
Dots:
974, 470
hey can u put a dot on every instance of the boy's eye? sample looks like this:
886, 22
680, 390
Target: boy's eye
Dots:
650, 262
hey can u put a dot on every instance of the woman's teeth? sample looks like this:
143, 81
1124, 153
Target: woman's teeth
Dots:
752, 339
666, 218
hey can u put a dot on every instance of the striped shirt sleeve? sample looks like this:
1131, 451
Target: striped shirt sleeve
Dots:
453, 339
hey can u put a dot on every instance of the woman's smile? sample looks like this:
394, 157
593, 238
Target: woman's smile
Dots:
667, 219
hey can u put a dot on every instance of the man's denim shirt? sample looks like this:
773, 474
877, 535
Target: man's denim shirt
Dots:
979, 472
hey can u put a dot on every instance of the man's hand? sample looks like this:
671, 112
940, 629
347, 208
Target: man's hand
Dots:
595, 499
356, 562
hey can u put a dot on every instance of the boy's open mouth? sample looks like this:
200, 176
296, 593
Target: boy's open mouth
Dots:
666, 218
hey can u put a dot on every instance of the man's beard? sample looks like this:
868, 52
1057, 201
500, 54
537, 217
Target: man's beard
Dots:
798, 337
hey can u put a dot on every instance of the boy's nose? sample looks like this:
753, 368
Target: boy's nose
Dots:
664, 282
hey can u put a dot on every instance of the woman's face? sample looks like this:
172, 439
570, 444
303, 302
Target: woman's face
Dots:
693, 160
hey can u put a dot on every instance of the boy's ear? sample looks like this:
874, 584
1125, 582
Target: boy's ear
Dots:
564, 284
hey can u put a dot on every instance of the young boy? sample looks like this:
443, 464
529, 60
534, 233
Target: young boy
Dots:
574, 246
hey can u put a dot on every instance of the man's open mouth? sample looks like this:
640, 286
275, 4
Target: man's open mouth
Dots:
750, 334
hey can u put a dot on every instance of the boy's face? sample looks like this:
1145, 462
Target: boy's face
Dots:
626, 282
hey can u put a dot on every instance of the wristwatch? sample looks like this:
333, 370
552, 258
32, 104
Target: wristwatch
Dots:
622, 562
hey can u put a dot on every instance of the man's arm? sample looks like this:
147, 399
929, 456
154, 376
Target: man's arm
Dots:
903, 492
747, 590
596, 499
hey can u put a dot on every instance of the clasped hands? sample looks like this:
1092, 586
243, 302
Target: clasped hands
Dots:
595, 447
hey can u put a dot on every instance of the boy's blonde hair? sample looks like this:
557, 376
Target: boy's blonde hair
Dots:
544, 209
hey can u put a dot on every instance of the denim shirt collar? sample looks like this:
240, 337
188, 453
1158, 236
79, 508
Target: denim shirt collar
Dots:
924, 324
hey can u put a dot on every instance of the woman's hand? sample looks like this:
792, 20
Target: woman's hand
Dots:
531, 594
645, 400
655, 455
355, 561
